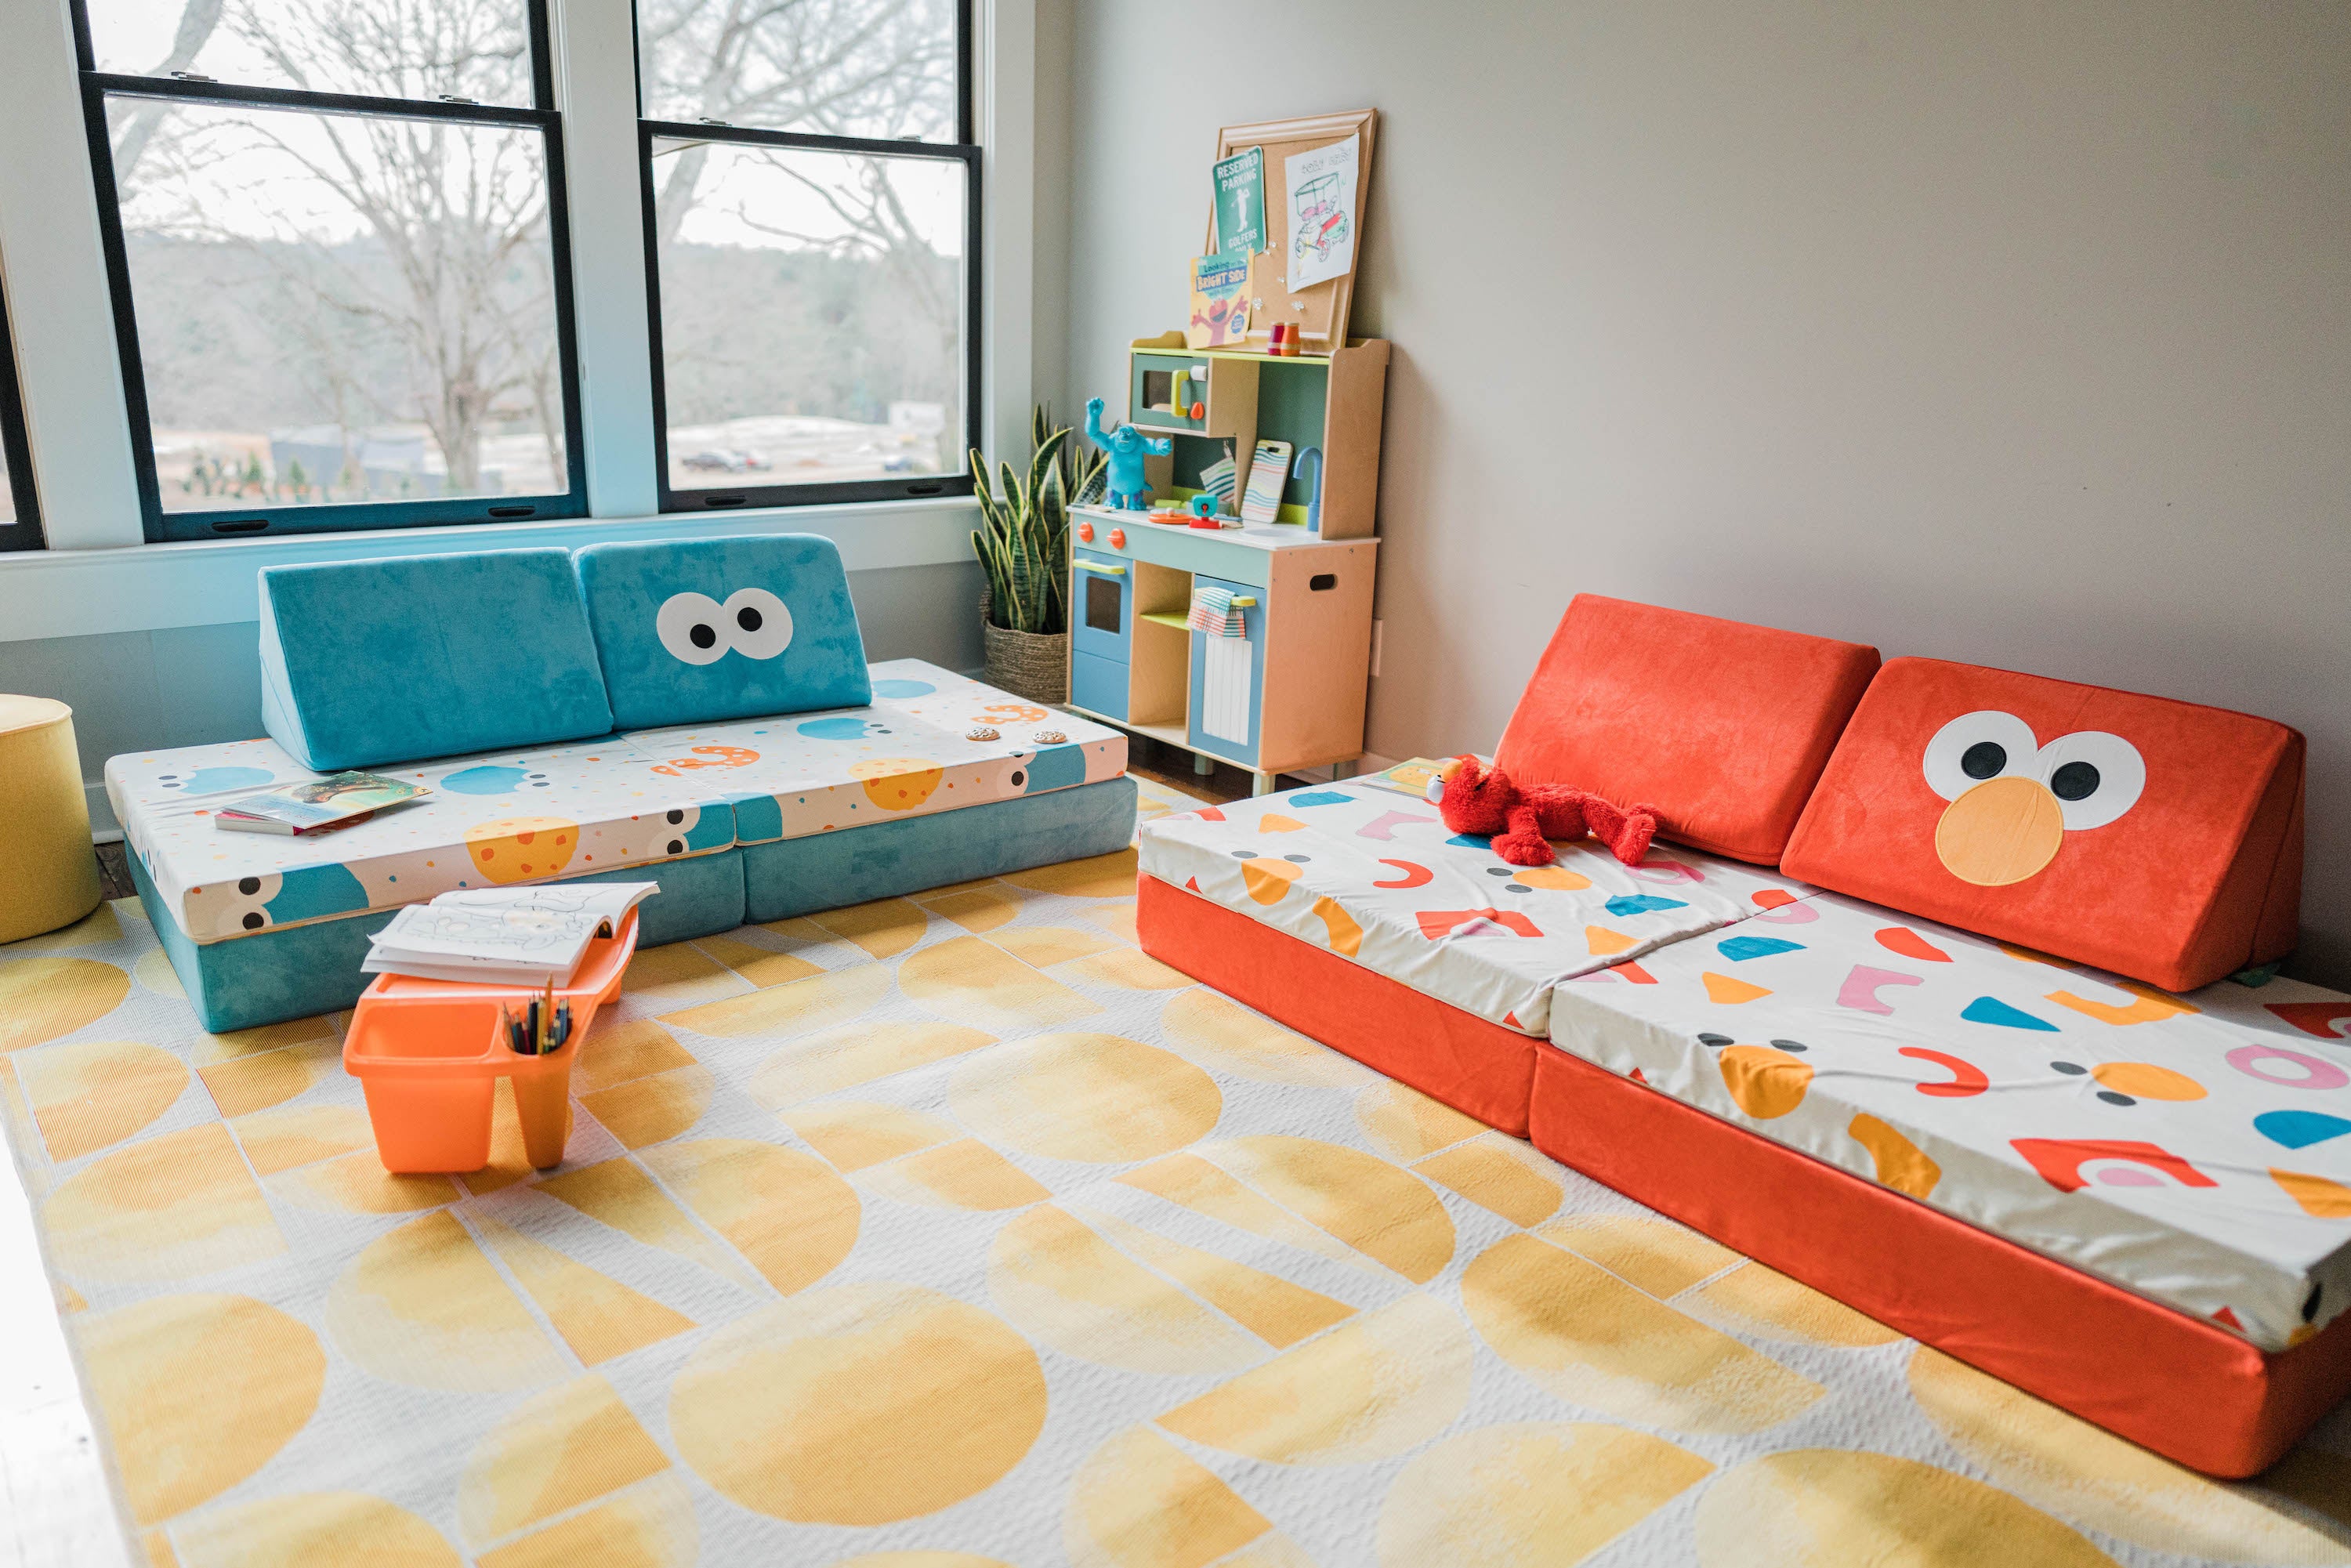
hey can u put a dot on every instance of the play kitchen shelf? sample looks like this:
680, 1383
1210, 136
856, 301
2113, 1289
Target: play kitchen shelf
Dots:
429, 1054
1327, 405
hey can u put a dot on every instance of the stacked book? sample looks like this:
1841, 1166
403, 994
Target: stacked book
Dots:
526, 937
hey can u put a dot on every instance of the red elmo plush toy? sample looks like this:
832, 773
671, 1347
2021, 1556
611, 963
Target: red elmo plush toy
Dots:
1483, 803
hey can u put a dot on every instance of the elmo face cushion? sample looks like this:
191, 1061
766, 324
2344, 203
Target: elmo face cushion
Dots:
2158, 839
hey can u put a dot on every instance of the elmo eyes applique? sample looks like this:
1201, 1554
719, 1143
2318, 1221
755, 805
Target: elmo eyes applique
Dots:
2012, 799
698, 629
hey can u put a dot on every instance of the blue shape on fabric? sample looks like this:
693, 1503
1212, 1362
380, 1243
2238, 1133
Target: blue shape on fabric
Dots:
713, 829
1740, 948
1643, 904
1992, 1010
1056, 768
842, 727
486, 780
1319, 798
2299, 1129
207, 780
758, 818
1468, 842
309, 891
903, 690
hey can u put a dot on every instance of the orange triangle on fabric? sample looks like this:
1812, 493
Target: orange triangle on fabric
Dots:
1191, 883
1275, 822
2226, 1316
1635, 973
1723, 988
1636, 1077
1603, 941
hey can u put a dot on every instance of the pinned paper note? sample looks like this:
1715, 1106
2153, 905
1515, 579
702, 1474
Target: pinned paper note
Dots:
1321, 187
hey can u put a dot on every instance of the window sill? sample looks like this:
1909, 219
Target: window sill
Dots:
142, 588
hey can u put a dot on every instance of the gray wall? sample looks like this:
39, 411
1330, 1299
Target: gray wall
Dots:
2005, 332
186, 685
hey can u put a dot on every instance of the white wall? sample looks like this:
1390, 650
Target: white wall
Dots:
2006, 333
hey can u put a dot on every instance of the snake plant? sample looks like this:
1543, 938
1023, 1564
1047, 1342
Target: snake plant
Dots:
1023, 540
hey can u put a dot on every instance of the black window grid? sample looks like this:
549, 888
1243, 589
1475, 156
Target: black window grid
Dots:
964, 149
25, 533
158, 524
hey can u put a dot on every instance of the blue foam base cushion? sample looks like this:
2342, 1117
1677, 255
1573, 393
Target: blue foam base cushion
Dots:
690, 631
825, 871
366, 663
303, 970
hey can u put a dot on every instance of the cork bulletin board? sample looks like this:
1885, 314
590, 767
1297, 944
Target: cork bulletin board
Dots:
1318, 310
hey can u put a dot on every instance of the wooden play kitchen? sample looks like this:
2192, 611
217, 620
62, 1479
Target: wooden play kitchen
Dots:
1294, 581
429, 1054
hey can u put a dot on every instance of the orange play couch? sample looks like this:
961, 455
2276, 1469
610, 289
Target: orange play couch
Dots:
1958, 1044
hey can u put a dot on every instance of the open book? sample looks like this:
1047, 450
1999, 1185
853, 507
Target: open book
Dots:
503, 935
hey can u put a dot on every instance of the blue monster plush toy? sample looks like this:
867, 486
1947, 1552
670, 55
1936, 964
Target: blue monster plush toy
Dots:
1126, 446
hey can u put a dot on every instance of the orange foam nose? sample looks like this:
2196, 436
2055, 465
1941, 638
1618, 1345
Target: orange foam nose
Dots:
2000, 831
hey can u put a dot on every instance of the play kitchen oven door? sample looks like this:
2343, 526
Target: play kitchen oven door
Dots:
1102, 632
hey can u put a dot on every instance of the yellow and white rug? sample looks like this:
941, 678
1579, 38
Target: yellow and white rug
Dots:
954, 1231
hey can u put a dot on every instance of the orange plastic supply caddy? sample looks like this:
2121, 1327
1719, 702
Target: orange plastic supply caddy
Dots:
430, 1053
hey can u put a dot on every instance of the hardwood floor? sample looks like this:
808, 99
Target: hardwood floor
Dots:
1171, 766
114, 871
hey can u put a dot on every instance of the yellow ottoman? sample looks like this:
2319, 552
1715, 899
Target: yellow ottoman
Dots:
48, 876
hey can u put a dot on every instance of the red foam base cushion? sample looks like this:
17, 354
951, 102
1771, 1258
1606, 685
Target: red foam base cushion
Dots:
2183, 1387
2152, 838
1722, 726
1475, 1067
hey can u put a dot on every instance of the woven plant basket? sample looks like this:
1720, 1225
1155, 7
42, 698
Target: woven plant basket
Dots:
1032, 664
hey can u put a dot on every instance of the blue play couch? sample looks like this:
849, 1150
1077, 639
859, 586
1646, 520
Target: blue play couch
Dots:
699, 713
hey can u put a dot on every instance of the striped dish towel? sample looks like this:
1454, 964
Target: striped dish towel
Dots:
1213, 613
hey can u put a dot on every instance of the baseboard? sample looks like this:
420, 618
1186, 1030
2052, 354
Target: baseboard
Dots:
103, 827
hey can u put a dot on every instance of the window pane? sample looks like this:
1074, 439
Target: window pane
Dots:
812, 315
336, 309
386, 49
880, 69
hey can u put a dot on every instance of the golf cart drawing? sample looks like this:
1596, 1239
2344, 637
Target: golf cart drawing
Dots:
1322, 221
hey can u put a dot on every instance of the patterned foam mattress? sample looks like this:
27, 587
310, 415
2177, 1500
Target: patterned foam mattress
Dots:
607, 804
2192, 1149
1374, 876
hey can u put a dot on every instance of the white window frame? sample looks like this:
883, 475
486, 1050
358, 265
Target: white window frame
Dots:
98, 575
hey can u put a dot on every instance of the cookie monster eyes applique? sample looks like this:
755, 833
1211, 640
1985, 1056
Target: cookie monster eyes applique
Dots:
698, 629
2012, 799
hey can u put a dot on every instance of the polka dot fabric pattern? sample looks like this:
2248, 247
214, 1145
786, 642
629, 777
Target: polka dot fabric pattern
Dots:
595, 806
2189, 1148
502, 818
1375, 877
929, 741
954, 1232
